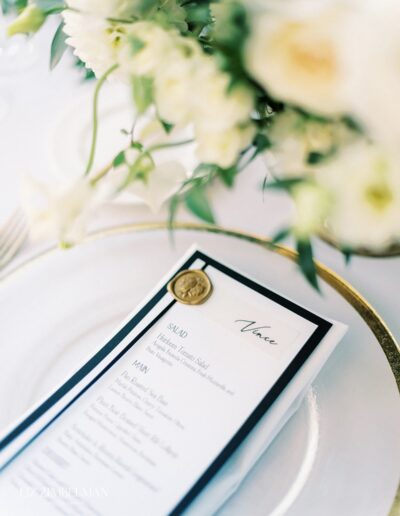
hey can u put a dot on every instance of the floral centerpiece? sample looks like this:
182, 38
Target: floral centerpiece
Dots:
310, 85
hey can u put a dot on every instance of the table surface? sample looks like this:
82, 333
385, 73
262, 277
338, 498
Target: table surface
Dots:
35, 99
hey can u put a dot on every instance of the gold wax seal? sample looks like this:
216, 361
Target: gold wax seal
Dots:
191, 287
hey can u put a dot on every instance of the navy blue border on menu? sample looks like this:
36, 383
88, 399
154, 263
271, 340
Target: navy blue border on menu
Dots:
322, 328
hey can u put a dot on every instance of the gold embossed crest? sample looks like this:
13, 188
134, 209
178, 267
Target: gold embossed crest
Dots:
191, 287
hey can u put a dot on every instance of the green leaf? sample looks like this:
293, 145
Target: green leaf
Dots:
58, 46
137, 145
312, 117
314, 158
171, 14
119, 159
261, 142
13, 6
281, 235
136, 44
353, 124
51, 6
167, 126
283, 184
197, 202
230, 24
144, 8
347, 254
228, 175
264, 184
142, 92
198, 14
306, 263
88, 73
172, 209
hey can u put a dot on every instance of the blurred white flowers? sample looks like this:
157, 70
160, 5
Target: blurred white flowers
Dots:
310, 84
364, 182
371, 56
312, 205
174, 82
187, 85
223, 147
60, 211
300, 142
295, 54
143, 47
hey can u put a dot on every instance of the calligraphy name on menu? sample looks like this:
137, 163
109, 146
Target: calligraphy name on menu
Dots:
257, 330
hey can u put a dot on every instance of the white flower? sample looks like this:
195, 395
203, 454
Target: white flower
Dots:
138, 48
294, 137
163, 182
175, 82
223, 148
94, 40
312, 205
104, 8
365, 185
295, 54
216, 105
61, 211
371, 52
146, 46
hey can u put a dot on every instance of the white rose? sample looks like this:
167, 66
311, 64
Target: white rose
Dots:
371, 49
223, 148
294, 54
365, 185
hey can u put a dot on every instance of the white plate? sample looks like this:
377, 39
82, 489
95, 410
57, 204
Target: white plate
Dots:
339, 454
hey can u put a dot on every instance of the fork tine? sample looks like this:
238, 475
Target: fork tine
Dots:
16, 223
14, 247
9, 226
11, 217
14, 239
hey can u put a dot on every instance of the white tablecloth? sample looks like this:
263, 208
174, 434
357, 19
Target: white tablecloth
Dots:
35, 98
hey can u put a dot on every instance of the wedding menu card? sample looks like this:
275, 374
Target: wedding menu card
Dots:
146, 422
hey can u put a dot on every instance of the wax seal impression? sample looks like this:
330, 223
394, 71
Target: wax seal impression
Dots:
191, 287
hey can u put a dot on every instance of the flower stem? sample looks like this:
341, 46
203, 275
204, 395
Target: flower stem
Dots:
99, 84
101, 173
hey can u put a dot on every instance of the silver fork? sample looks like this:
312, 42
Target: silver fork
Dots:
13, 234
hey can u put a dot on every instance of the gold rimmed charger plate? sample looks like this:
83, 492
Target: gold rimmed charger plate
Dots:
376, 324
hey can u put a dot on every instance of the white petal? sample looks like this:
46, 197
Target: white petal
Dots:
163, 182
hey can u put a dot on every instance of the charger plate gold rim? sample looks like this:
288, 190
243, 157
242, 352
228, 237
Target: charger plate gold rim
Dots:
371, 317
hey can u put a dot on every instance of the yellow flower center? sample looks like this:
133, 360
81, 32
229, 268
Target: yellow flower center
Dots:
378, 196
310, 55
115, 34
